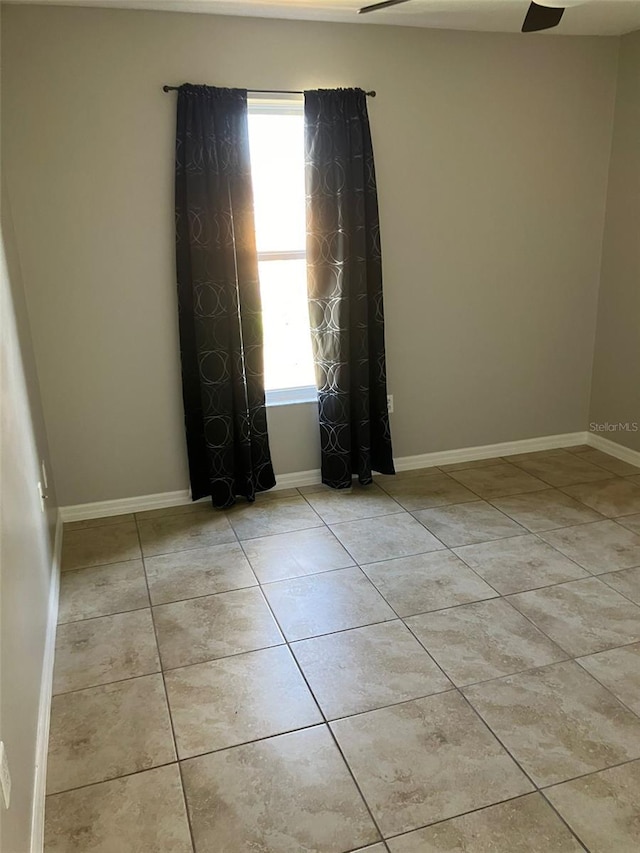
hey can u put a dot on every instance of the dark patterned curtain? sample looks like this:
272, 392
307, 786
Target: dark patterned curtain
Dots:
344, 275
219, 298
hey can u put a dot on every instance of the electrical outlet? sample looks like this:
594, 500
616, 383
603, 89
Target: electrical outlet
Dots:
43, 496
5, 776
390, 403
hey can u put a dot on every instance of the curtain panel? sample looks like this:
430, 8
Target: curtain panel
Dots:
344, 277
220, 313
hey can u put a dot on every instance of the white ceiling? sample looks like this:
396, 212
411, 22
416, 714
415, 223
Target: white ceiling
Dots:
593, 17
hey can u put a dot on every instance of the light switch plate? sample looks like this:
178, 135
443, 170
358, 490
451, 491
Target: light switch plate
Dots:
5, 776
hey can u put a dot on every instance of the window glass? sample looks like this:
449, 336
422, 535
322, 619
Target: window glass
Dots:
277, 167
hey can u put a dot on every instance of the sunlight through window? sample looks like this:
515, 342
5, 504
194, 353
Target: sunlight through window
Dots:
276, 136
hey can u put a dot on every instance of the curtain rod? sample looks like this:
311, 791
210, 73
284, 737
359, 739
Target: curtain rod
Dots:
166, 88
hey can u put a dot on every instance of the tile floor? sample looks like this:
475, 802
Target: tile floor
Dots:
446, 660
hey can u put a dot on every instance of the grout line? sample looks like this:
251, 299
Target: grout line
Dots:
493, 502
466, 466
357, 628
507, 675
330, 491
352, 565
523, 529
101, 616
317, 725
398, 620
444, 820
608, 583
512, 756
401, 617
294, 658
624, 763
466, 684
514, 494
570, 658
322, 714
356, 783
557, 643
566, 556
543, 792
587, 577
113, 778
528, 589
279, 533
564, 821
100, 565
602, 684
519, 464
620, 519
498, 739
594, 483
88, 525
166, 698
537, 790
106, 616
107, 683
600, 465
486, 725
402, 509
158, 604
260, 584
369, 625
462, 814
389, 513
449, 689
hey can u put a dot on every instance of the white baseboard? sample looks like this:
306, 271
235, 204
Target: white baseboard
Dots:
488, 451
122, 506
46, 689
626, 454
101, 509
296, 479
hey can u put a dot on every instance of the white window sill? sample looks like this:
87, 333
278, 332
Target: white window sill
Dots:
291, 396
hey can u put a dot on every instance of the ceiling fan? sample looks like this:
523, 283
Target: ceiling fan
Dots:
541, 16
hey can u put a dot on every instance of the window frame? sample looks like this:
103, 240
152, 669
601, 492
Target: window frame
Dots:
289, 104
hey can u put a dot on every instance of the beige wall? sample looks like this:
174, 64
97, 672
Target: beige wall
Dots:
25, 549
616, 370
492, 158
25, 562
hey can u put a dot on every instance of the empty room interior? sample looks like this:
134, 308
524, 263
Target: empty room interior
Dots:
320, 427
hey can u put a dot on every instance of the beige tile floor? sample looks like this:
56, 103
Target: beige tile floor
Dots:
447, 660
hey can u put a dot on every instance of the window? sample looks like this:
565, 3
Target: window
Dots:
276, 138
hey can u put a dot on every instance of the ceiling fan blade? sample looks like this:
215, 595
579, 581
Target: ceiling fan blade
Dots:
541, 18
375, 6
